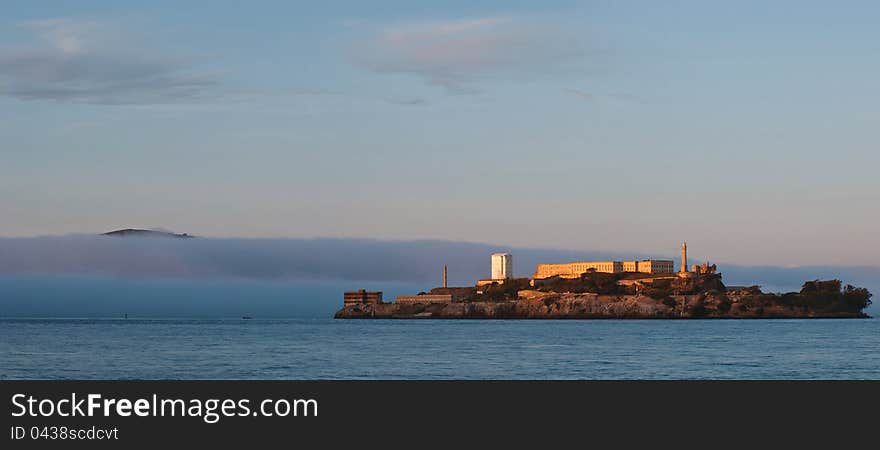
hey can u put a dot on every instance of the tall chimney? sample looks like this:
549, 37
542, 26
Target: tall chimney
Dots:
444, 275
684, 257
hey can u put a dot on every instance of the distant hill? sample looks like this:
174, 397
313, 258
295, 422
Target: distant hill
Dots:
135, 232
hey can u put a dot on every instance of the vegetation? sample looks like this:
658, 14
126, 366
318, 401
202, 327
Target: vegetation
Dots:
658, 289
830, 296
502, 292
589, 282
661, 288
698, 284
822, 296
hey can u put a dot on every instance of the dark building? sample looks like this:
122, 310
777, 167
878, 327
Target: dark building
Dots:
362, 297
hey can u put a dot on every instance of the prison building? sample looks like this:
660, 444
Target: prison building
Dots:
575, 269
656, 266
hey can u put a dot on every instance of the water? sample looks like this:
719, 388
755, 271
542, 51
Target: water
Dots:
411, 349
65, 295
181, 328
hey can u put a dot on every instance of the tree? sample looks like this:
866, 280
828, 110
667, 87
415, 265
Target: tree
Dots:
856, 298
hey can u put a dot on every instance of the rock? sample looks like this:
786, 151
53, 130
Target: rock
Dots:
543, 305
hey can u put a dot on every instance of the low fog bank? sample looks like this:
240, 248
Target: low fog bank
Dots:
87, 296
292, 259
333, 259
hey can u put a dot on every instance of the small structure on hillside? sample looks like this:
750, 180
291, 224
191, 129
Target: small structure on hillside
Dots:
703, 268
424, 298
362, 297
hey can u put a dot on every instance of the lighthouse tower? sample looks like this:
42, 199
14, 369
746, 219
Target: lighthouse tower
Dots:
684, 257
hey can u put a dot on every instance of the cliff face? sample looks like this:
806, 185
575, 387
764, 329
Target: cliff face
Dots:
541, 305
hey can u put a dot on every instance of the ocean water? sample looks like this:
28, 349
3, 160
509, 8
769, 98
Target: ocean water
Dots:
192, 329
322, 348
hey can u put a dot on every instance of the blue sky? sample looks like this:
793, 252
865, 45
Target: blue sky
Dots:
746, 128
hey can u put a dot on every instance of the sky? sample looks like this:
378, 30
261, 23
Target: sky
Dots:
746, 128
94, 276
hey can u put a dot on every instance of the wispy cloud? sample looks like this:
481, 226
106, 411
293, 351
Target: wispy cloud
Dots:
583, 95
409, 101
458, 54
93, 62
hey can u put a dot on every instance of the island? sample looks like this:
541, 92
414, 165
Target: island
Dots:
647, 289
137, 232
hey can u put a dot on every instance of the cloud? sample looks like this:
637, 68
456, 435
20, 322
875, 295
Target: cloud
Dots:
159, 276
296, 259
92, 62
345, 259
581, 94
458, 54
409, 102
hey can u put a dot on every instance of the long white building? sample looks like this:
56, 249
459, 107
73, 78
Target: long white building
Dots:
575, 269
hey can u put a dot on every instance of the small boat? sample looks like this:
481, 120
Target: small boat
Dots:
246, 317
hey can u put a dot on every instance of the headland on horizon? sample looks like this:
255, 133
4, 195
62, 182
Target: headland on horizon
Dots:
139, 232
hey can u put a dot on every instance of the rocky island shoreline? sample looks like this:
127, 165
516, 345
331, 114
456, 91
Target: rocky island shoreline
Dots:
643, 289
603, 296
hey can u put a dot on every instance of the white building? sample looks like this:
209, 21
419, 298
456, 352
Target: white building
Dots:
502, 266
